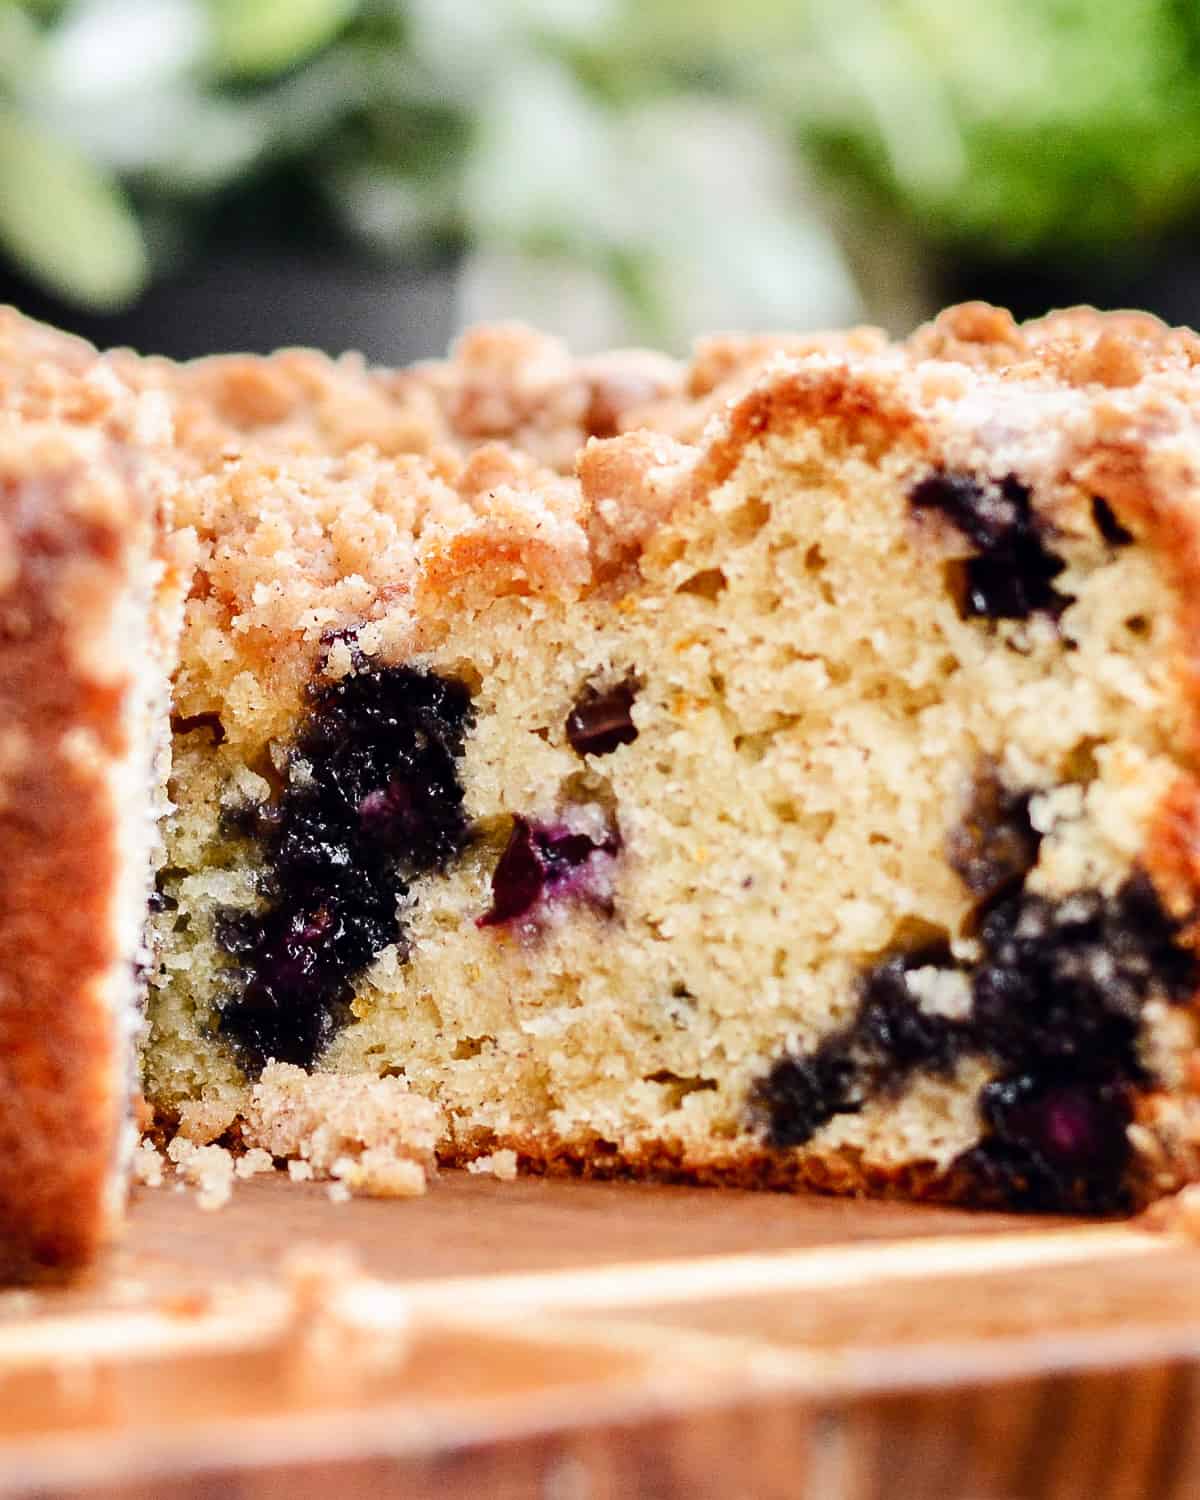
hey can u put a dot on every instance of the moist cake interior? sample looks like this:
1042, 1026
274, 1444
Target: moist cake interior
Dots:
784, 807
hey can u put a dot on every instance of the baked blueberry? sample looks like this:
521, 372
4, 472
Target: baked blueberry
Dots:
372, 800
994, 845
602, 719
1012, 573
542, 861
1055, 1001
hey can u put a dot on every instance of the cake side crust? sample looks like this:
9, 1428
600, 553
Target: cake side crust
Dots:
76, 526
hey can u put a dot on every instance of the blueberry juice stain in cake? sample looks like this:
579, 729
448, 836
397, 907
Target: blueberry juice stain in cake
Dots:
372, 800
889, 1039
1057, 1001
1053, 1002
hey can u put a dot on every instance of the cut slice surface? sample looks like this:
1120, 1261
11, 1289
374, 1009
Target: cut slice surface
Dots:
811, 802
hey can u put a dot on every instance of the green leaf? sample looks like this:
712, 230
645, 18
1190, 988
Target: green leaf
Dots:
253, 38
65, 221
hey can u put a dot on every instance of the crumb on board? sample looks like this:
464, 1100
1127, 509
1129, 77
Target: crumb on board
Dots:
148, 1164
500, 1164
209, 1169
363, 1135
254, 1162
370, 1135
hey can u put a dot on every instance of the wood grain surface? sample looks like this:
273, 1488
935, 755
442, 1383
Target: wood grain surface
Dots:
588, 1341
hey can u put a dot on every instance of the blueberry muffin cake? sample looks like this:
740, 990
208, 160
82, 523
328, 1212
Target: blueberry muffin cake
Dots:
88, 602
802, 791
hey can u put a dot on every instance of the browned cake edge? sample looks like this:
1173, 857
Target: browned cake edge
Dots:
75, 543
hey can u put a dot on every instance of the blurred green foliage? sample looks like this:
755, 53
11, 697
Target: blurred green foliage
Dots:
66, 220
131, 130
1058, 127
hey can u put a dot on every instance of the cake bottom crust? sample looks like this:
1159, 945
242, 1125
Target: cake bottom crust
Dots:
844, 1172
844, 1175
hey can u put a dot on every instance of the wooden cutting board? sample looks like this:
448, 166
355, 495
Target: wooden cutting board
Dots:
588, 1341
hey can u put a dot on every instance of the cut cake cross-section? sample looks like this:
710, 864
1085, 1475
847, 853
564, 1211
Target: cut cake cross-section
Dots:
812, 801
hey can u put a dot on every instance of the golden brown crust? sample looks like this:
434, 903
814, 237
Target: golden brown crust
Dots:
509, 383
866, 411
1172, 853
500, 384
296, 401
1079, 344
844, 1174
630, 487
72, 529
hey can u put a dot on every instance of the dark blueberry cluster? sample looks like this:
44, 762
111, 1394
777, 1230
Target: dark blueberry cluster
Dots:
1063, 980
1056, 1001
602, 719
800, 1094
1012, 574
372, 800
539, 861
889, 1039
1053, 1145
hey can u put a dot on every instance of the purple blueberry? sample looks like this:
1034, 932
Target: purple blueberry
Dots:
602, 719
517, 880
1054, 1143
541, 861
